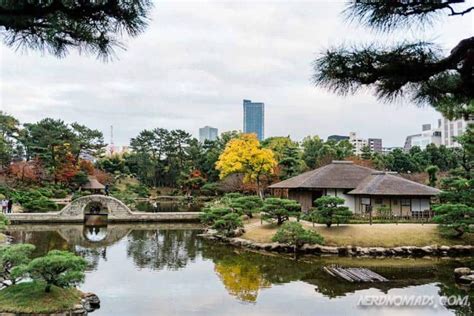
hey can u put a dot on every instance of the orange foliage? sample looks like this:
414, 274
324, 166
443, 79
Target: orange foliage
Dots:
102, 176
67, 169
28, 171
86, 166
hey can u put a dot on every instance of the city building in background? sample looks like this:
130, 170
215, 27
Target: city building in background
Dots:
254, 118
452, 129
338, 138
207, 133
357, 143
428, 135
375, 145
408, 144
388, 150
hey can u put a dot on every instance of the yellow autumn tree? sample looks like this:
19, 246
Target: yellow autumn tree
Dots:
245, 155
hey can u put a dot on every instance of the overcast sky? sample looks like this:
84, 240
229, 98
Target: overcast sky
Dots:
197, 60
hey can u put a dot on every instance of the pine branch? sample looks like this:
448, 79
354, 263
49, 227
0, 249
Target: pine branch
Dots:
57, 25
413, 68
387, 15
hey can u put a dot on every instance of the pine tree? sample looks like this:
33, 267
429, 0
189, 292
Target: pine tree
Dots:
417, 70
56, 26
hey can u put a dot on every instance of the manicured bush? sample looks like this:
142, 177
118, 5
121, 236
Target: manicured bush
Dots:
228, 223
294, 234
329, 210
59, 268
210, 214
224, 219
455, 219
40, 205
246, 205
210, 189
279, 210
13, 263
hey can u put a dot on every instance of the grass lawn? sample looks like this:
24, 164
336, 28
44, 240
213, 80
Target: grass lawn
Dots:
365, 235
2, 238
30, 297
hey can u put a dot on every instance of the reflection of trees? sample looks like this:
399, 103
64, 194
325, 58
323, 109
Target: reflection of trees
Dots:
44, 241
448, 287
241, 278
159, 249
92, 255
243, 273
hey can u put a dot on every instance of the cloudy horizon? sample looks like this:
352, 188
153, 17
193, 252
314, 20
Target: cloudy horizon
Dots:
198, 60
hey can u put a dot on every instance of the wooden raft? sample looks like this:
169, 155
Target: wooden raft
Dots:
355, 274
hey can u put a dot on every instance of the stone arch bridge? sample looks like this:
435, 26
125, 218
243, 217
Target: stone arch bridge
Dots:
117, 211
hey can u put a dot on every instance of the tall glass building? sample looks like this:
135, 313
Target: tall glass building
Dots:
254, 118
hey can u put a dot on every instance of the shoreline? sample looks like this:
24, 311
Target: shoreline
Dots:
346, 251
87, 303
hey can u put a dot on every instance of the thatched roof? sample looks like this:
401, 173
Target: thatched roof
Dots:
336, 175
93, 184
386, 183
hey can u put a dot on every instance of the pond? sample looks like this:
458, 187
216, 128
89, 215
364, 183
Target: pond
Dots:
165, 269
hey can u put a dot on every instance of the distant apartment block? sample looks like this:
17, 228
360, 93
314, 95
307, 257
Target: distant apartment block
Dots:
452, 129
254, 118
208, 133
357, 143
375, 145
338, 138
428, 135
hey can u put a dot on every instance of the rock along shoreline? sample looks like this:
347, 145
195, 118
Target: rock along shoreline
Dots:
347, 251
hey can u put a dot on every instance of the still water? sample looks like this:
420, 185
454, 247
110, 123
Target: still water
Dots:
165, 269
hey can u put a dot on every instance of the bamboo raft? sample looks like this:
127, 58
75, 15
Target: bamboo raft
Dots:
355, 275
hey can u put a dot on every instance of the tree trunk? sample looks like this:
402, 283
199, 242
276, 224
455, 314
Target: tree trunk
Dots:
47, 289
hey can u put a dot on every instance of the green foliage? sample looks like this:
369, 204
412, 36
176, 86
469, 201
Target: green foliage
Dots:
246, 204
224, 219
40, 205
457, 190
29, 298
210, 189
432, 171
13, 263
417, 70
228, 223
209, 215
56, 27
384, 210
58, 268
3, 221
141, 190
317, 153
80, 178
279, 210
293, 234
366, 153
455, 219
329, 210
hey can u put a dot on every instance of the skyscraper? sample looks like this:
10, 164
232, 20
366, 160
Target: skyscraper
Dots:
254, 118
207, 133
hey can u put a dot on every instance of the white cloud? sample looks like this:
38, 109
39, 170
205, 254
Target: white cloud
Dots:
197, 61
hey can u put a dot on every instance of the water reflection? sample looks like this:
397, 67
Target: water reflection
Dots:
95, 233
143, 269
159, 249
